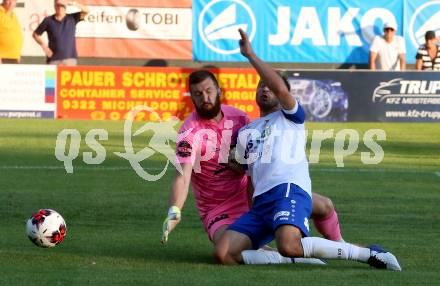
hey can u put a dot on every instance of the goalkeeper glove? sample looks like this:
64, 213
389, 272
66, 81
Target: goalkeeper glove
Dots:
170, 222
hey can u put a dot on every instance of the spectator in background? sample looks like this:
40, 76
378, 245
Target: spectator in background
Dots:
61, 29
11, 37
387, 52
428, 54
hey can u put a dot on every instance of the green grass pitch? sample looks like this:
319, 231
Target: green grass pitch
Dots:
114, 217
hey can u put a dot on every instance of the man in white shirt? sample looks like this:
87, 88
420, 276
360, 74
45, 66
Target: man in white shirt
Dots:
273, 151
387, 52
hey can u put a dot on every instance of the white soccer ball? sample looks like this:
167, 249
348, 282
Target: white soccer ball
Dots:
46, 228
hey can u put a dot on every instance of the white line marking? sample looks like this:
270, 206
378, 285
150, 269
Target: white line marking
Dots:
117, 168
96, 168
369, 170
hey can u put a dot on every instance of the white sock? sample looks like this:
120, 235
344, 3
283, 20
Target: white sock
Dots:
262, 256
302, 260
327, 249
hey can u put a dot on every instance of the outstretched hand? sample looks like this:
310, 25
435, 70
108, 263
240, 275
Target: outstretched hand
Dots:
245, 45
170, 222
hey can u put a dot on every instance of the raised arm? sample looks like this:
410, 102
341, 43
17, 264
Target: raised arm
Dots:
270, 77
84, 9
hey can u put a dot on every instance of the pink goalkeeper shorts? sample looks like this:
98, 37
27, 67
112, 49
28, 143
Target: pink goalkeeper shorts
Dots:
226, 213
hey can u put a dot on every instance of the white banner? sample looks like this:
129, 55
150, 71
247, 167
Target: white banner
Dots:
27, 91
30, 15
109, 22
136, 23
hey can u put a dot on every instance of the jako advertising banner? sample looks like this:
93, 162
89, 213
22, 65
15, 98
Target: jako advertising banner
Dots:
419, 16
307, 31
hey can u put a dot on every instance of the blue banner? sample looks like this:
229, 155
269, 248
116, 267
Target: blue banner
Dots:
420, 16
338, 31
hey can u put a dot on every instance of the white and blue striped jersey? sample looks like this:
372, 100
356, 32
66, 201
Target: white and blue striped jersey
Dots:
272, 149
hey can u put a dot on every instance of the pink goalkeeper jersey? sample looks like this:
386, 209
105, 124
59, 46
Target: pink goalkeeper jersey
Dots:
204, 143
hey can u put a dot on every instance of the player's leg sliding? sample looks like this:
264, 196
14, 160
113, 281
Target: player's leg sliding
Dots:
325, 218
382, 259
329, 226
262, 256
323, 248
375, 256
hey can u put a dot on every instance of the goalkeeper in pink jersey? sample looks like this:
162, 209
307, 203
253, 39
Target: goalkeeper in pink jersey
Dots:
202, 149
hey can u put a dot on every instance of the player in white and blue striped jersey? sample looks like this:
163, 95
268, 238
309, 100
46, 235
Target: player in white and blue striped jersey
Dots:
273, 149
